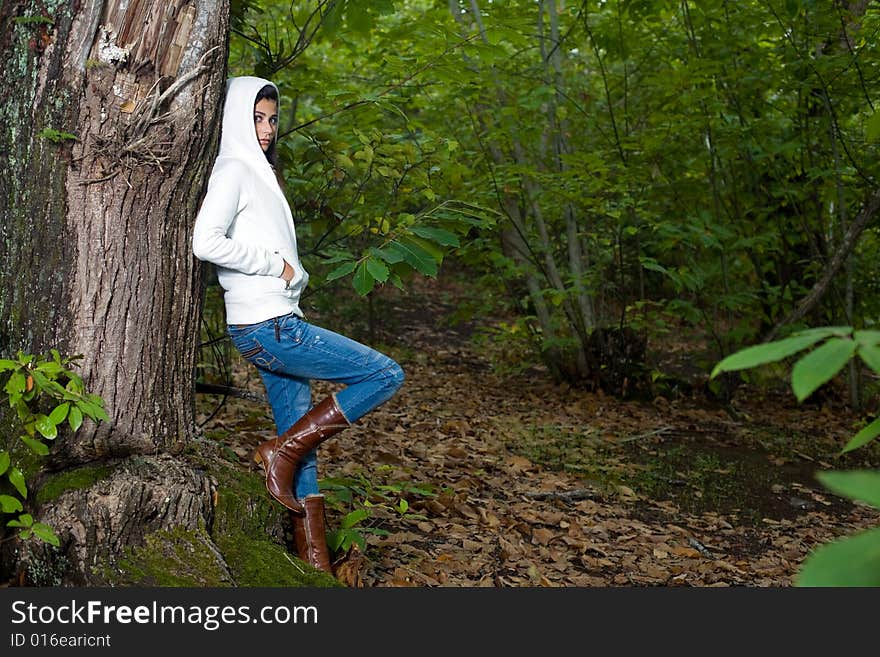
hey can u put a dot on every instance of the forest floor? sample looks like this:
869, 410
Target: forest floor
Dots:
509, 479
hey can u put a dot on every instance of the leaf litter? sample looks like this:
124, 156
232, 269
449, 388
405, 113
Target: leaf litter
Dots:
539, 484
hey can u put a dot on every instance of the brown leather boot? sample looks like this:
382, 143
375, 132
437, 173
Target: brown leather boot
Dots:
280, 456
309, 534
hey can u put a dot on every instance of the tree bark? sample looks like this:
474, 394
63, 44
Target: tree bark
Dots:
109, 118
847, 244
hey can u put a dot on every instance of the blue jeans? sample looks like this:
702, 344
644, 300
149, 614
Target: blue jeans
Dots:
288, 352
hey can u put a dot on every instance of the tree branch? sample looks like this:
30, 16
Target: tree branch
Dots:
847, 244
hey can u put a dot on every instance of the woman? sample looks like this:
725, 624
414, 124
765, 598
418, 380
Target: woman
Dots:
246, 229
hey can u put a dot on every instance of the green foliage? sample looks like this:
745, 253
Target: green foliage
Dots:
33, 20
365, 502
854, 560
704, 158
818, 366
46, 395
56, 136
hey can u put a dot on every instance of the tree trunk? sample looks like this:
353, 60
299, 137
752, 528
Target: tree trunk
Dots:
109, 118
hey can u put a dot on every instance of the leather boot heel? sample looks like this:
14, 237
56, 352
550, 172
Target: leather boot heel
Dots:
264, 452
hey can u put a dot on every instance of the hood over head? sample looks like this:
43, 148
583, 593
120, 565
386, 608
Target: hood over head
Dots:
238, 137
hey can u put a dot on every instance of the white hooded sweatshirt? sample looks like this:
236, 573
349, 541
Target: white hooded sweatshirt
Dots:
244, 225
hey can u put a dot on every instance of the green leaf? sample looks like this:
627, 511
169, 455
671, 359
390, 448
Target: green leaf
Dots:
17, 479
870, 354
652, 265
872, 127
50, 367
363, 282
26, 519
44, 533
868, 338
46, 427
98, 406
354, 517
863, 485
397, 282
443, 237
75, 418
9, 504
357, 16
850, 561
4, 461
37, 446
342, 270
415, 256
16, 384
827, 331
864, 436
820, 365
377, 269
7, 364
766, 353
59, 413
92, 410
388, 255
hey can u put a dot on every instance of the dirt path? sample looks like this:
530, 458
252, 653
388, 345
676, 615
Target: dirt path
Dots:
540, 485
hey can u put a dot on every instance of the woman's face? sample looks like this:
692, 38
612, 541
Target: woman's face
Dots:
266, 121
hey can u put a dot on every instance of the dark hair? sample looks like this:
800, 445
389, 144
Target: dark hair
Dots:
270, 92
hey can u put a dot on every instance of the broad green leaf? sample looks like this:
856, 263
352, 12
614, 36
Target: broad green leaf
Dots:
7, 364
342, 270
871, 355
863, 485
850, 561
872, 127
353, 518
820, 365
652, 265
388, 255
50, 367
9, 504
16, 384
864, 436
26, 520
377, 269
93, 410
75, 418
44, 533
357, 17
415, 256
37, 446
4, 461
343, 161
827, 331
17, 479
765, 353
397, 282
59, 413
363, 281
443, 237
871, 338
46, 427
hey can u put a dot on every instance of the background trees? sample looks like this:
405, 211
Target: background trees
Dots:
629, 161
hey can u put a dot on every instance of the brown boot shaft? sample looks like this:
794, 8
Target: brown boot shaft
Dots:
309, 534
